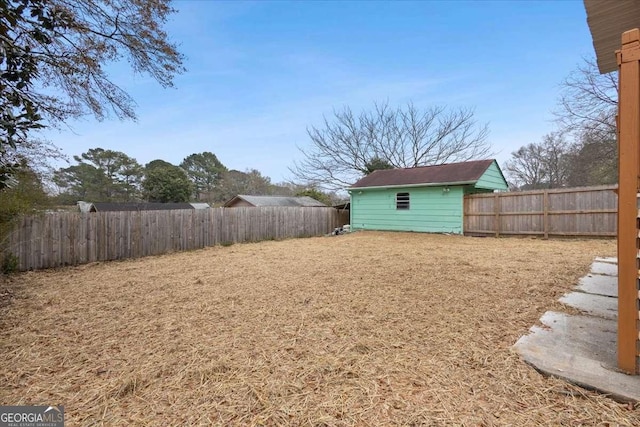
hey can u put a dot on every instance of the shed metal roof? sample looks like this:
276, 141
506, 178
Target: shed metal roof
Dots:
463, 172
200, 205
258, 201
119, 207
607, 20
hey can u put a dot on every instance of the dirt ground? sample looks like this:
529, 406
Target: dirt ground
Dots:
370, 328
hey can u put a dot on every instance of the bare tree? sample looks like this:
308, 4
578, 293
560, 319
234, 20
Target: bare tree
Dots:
587, 111
525, 169
586, 114
589, 101
343, 149
540, 165
37, 154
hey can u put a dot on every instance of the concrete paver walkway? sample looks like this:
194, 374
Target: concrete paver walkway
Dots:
581, 349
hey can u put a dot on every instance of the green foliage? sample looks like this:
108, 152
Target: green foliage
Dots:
19, 68
9, 263
205, 171
26, 196
226, 244
53, 58
81, 182
101, 176
7, 173
158, 163
37, 154
235, 182
377, 163
166, 184
316, 194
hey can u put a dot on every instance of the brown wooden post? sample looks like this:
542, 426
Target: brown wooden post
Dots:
545, 213
629, 172
496, 211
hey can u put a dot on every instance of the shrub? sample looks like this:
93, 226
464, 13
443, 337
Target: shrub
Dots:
9, 263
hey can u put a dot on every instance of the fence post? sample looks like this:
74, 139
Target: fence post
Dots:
465, 212
496, 211
545, 213
629, 144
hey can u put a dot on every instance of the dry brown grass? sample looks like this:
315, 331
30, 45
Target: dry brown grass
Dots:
365, 329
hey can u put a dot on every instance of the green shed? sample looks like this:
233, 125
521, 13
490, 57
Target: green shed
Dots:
427, 198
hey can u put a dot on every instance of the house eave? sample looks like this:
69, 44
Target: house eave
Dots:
431, 184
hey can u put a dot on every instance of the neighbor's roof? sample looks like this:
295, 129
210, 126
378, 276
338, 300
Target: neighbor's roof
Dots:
258, 201
118, 207
607, 21
464, 172
200, 205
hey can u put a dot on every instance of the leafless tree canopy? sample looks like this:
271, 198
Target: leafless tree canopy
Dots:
589, 101
344, 148
591, 159
539, 165
585, 116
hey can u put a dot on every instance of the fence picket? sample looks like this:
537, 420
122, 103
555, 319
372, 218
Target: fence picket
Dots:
586, 211
68, 238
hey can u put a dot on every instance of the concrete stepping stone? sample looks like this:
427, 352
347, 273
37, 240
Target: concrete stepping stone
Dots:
599, 284
611, 260
605, 268
594, 305
580, 350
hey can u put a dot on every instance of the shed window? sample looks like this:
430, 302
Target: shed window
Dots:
402, 200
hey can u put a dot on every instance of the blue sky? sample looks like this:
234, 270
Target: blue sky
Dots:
260, 73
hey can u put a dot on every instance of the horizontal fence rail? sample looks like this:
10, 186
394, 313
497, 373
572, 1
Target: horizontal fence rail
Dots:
70, 238
586, 211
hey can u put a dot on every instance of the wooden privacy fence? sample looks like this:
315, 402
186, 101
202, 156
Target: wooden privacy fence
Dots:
588, 211
70, 238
